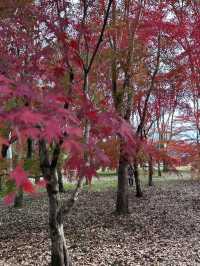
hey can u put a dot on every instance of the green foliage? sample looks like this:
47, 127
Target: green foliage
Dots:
13, 103
32, 166
8, 187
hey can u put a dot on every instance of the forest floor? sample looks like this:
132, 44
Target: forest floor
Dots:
163, 228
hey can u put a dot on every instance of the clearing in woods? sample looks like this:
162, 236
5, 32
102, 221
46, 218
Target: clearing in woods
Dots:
163, 227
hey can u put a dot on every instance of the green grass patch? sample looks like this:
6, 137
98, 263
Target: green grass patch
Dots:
109, 173
69, 186
109, 181
98, 184
104, 183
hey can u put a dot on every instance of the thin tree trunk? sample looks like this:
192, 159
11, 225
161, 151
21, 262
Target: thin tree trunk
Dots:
3, 154
4, 150
19, 198
150, 164
37, 179
137, 179
165, 167
86, 182
122, 193
29, 155
159, 170
60, 181
29, 148
59, 253
1, 182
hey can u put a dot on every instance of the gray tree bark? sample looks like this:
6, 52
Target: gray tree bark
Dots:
150, 165
60, 181
137, 179
122, 192
59, 253
19, 198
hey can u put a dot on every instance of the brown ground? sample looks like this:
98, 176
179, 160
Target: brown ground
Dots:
162, 229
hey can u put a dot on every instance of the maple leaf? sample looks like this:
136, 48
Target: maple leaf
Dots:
78, 61
9, 198
52, 130
73, 44
73, 147
26, 116
28, 187
102, 157
32, 132
4, 80
5, 90
126, 130
18, 175
89, 172
58, 71
74, 162
74, 132
21, 179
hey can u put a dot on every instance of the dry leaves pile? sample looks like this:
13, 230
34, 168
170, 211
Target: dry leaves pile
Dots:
163, 228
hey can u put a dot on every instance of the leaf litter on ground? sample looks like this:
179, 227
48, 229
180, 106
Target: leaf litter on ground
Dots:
163, 228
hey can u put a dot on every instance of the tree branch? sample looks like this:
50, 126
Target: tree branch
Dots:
56, 153
68, 205
87, 70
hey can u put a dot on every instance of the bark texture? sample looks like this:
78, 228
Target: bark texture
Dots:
150, 165
159, 170
19, 198
122, 192
60, 181
29, 148
137, 179
59, 253
165, 167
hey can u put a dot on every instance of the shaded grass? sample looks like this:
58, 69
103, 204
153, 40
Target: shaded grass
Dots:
109, 181
109, 173
103, 183
97, 185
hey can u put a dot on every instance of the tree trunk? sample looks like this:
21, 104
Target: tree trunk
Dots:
29, 148
4, 150
150, 171
19, 198
60, 181
59, 253
37, 179
137, 179
86, 182
159, 170
122, 193
1, 182
29, 155
165, 167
